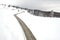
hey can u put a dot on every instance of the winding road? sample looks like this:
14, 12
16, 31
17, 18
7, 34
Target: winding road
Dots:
28, 33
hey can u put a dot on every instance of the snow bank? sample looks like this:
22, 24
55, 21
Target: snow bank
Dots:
9, 26
43, 28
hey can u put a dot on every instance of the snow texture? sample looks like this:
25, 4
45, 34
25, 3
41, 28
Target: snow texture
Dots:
10, 29
43, 28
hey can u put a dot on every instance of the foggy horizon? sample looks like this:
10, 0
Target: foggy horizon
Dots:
45, 5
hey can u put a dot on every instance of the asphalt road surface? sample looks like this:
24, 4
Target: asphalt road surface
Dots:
28, 33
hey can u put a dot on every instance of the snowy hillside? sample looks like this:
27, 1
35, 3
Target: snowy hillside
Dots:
43, 28
9, 26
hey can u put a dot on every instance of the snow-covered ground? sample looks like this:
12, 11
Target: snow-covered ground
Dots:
43, 28
9, 26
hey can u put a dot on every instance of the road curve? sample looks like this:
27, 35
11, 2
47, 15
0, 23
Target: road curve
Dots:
28, 33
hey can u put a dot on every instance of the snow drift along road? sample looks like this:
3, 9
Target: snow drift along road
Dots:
9, 26
43, 28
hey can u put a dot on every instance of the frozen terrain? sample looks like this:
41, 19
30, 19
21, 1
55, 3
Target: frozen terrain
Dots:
9, 26
43, 28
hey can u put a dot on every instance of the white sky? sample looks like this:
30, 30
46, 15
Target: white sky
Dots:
35, 4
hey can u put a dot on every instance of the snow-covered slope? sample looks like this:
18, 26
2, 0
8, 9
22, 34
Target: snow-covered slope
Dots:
43, 28
9, 26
